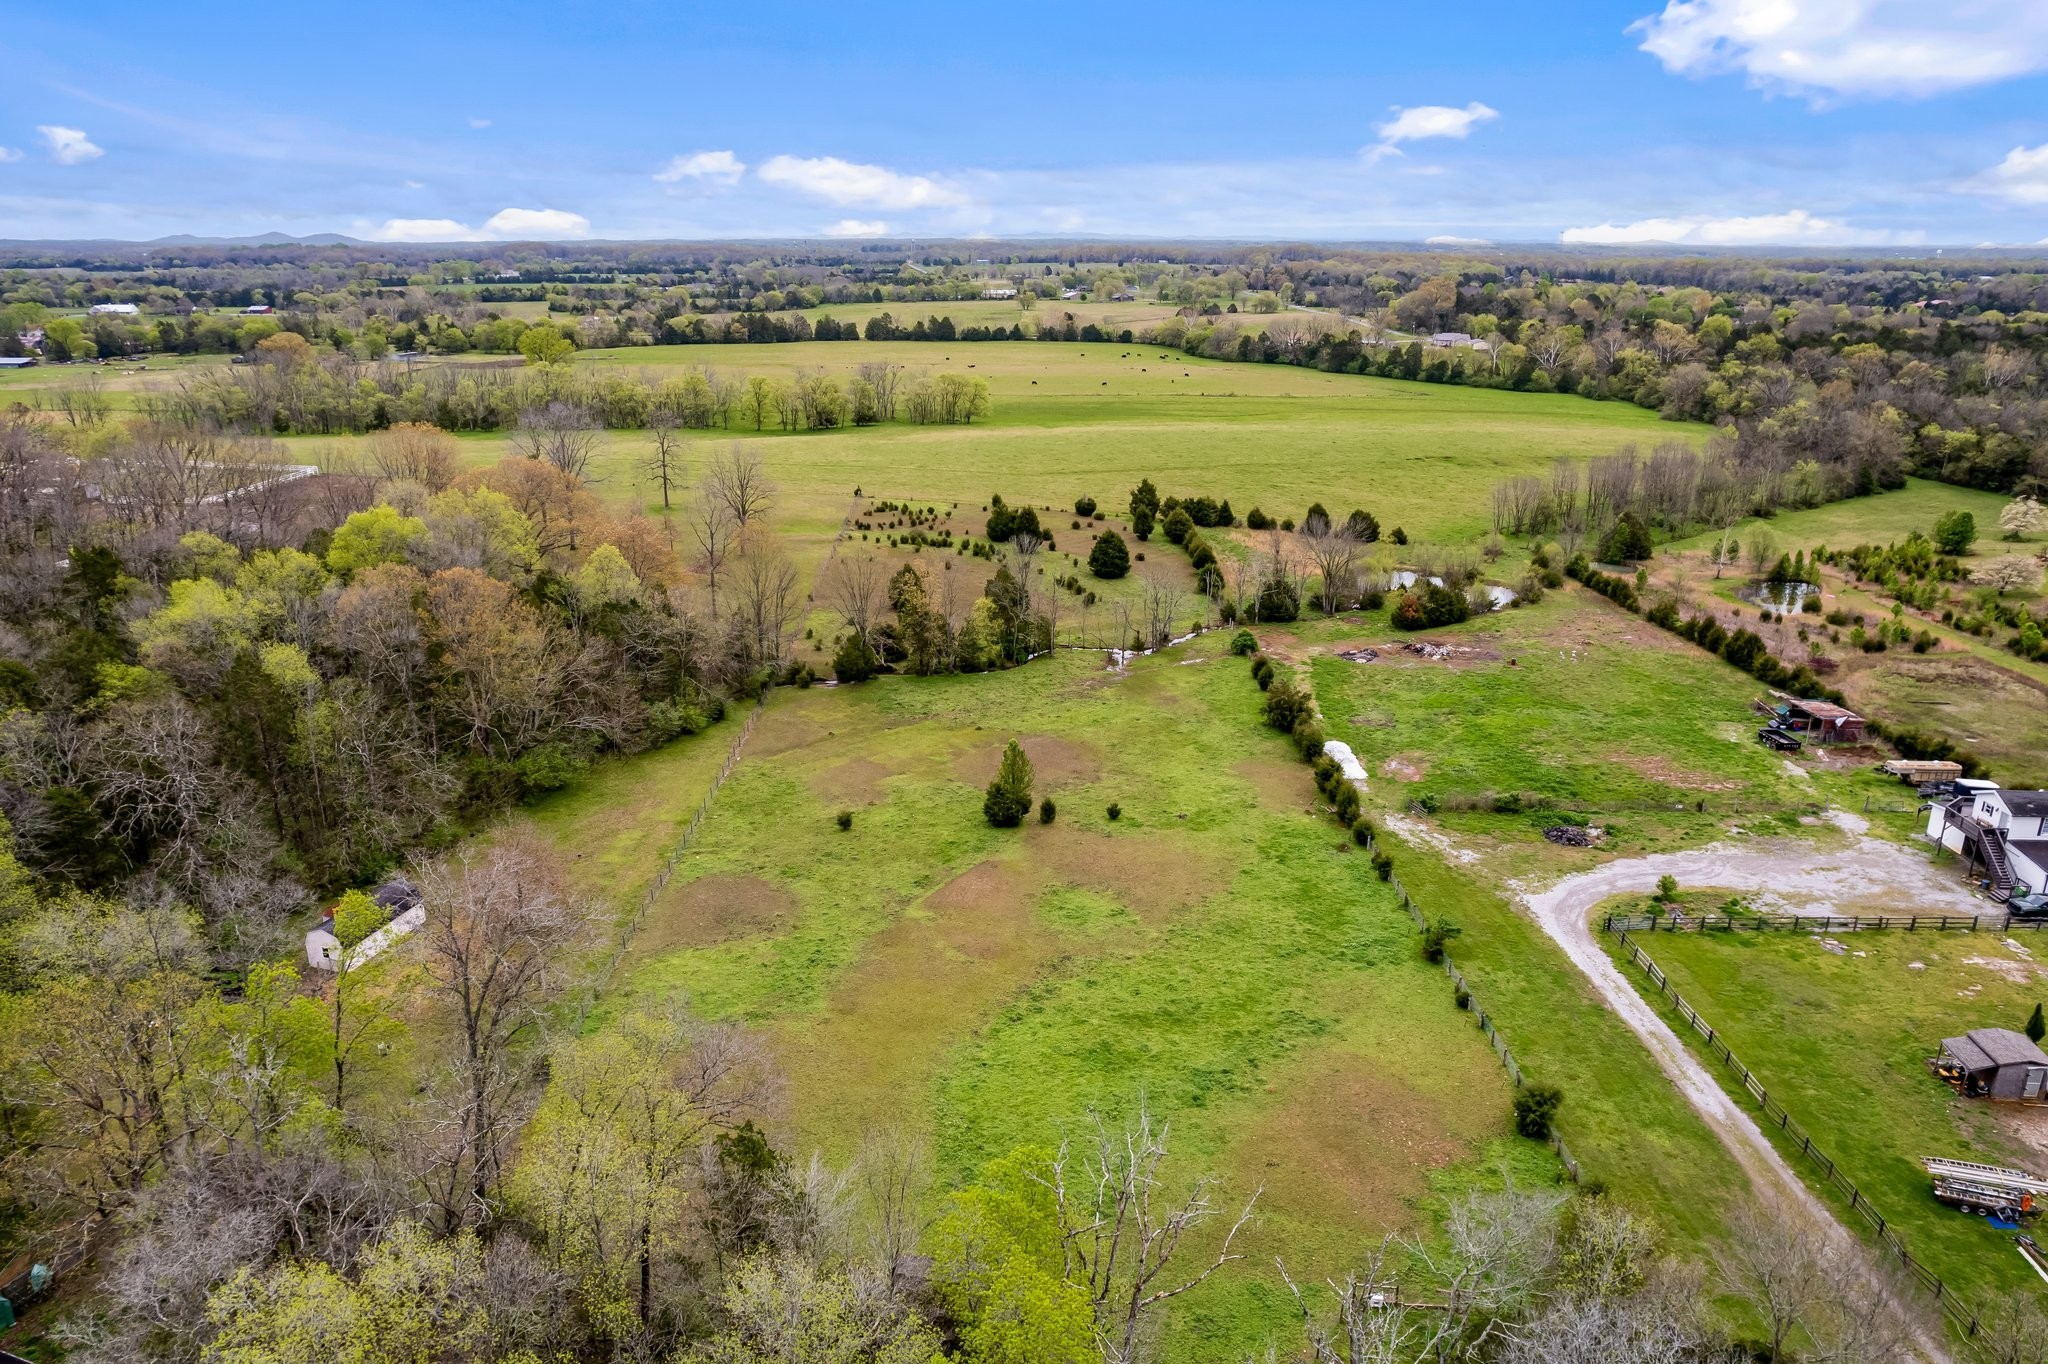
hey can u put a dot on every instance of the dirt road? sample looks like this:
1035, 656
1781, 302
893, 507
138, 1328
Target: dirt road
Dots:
1783, 869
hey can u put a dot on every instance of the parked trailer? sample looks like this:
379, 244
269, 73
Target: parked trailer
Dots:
1922, 772
1986, 1190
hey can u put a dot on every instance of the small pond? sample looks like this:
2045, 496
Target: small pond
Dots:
1784, 598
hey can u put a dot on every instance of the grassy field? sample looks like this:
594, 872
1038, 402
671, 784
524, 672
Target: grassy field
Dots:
1875, 520
1841, 1039
1216, 950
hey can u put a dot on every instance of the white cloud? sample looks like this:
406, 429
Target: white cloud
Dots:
1424, 121
1456, 241
2022, 177
1795, 228
1851, 47
858, 227
537, 224
415, 184
68, 146
721, 167
849, 183
479, 123
10, 154
422, 230
525, 224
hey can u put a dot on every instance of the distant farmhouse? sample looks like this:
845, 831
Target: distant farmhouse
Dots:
2005, 833
1001, 291
113, 310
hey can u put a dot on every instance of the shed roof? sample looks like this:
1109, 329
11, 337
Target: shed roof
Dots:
1823, 710
1992, 1048
2031, 804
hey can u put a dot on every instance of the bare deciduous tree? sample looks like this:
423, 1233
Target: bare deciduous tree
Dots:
416, 452
558, 434
767, 600
1771, 1263
1120, 1232
1333, 549
664, 462
737, 482
499, 921
859, 589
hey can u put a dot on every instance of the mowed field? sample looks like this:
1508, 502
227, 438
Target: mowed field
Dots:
1842, 1040
1218, 951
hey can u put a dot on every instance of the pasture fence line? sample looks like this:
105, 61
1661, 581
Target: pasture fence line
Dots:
1478, 1011
1775, 1114
1816, 923
667, 870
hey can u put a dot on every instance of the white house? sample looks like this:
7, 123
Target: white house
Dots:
1003, 291
2003, 832
113, 310
1447, 340
398, 897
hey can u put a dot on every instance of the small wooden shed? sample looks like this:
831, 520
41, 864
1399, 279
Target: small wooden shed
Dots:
1995, 1063
1821, 722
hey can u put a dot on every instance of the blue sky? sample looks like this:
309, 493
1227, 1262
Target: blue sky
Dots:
1711, 122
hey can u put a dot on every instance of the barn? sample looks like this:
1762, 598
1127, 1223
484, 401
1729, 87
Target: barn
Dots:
1994, 1063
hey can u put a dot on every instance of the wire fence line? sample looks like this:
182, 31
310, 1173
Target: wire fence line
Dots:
1471, 1002
1774, 1112
1817, 923
667, 870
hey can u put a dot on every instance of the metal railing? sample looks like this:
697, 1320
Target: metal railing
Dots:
1775, 1114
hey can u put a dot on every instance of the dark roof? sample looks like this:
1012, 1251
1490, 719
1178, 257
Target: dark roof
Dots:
1991, 1048
2031, 804
2035, 850
397, 894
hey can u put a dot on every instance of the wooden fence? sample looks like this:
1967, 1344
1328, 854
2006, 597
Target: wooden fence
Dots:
1817, 923
1775, 1115
1493, 1037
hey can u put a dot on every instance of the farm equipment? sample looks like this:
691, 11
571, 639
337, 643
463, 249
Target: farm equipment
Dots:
1986, 1190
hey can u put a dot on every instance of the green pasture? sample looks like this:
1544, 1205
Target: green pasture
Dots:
1841, 1039
1570, 701
1217, 950
1876, 519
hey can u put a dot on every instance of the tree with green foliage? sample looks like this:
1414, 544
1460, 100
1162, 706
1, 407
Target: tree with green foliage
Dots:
545, 346
1955, 532
1277, 599
1009, 795
378, 535
2037, 1027
998, 1268
1536, 1108
855, 661
1111, 557
1144, 508
1178, 526
1363, 527
356, 917
1628, 540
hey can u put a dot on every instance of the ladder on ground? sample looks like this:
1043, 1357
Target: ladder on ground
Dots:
2019, 1181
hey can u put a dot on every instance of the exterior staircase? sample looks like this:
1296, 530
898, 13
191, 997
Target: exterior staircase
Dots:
1991, 842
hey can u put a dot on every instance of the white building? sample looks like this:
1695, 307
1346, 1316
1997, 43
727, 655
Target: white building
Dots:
113, 310
398, 897
1004, 291
2005, 833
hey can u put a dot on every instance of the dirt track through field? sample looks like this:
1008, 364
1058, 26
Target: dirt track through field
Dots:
1865, 866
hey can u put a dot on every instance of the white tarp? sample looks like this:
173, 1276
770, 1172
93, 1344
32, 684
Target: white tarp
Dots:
1347, 762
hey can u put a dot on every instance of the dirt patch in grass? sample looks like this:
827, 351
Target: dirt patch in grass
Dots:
1661, 769
1282, 785
1055, 762
714, 909
782, 729
867, 1057
1351, 1144
1154, 873
857, 781
1406, 767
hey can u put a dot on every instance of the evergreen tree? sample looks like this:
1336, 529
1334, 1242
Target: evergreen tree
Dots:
1009, 795
1110, 558
2036, 1026
855, 661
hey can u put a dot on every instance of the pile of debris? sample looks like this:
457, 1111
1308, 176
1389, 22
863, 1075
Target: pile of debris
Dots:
1359, 655
1427, 650
1572, 836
